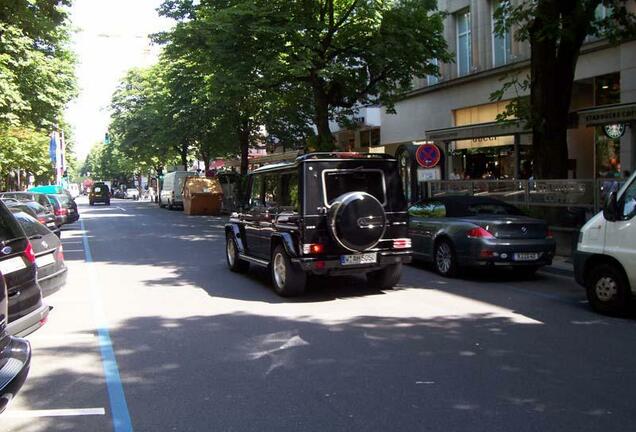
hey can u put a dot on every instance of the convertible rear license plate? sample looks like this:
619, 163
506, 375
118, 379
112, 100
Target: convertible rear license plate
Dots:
368, 258
45, 260
11, 265
527, 256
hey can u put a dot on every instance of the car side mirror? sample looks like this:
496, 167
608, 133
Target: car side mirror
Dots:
610, 209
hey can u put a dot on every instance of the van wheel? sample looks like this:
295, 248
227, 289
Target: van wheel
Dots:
444, 259
386, 278
235, 263
607, 290
288, 280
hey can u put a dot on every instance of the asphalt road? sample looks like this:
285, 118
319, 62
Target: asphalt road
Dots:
153, 333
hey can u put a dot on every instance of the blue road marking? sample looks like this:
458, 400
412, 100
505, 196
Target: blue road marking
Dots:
118, 405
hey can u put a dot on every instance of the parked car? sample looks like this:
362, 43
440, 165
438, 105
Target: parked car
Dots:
51, 190
323, 214
605, 259
27, 312
38, 197
132, 193
15, 355
100, 193
467, 231
49, 254
172, 189
72, 214
59, 209
118, 193
42, 214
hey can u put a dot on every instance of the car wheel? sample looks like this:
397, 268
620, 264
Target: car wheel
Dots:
287, 280
607, 290
232, 255
444, 259
385, 278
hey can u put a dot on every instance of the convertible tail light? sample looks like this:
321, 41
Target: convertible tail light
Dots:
402, 243
313, 248
29, 254
479, 233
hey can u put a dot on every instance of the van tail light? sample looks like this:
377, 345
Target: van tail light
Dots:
479, 233
61, 212
60, 253
549, 234
29, 254
402, 243
313, 248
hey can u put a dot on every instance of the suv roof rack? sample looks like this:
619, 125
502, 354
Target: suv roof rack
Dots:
343, 155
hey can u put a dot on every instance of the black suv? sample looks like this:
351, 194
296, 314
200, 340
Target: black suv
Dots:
323, 214
100, 193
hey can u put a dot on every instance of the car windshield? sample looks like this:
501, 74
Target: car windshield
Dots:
338, 182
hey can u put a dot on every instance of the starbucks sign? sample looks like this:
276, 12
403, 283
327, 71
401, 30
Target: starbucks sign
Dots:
614, 131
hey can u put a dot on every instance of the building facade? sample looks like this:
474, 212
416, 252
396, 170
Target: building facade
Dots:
454, 111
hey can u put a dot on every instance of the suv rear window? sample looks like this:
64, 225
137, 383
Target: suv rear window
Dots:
9, 228
338, 182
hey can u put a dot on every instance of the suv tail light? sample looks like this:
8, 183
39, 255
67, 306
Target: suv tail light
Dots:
479, 232
402, 243
61, 212
29, 254
313, 248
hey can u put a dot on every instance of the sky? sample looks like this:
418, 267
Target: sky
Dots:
111, 37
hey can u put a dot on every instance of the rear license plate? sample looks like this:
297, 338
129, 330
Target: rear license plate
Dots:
368, 258
11, 265
71, 211
45, 260
526, 256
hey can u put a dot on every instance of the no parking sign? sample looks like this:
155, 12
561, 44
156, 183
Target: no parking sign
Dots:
428, 155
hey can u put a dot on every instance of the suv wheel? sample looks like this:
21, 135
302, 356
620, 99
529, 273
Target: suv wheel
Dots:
235, 263
607, 290
386, 278
288, 280
444, 259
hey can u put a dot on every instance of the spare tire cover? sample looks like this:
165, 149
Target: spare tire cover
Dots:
357, 221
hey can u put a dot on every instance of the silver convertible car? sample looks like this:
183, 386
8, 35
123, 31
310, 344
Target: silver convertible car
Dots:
466, 231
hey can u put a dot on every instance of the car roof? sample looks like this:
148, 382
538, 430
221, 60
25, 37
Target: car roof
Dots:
323, 156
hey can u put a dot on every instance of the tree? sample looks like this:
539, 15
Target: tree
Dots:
556, 30
344, 53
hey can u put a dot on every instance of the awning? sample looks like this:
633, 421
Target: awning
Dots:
607, 114
481, 130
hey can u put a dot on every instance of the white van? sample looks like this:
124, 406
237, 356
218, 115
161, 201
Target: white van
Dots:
172, 188
605, 260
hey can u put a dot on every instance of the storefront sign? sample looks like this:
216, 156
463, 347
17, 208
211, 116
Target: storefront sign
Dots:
428, 155
614, 131
604, 115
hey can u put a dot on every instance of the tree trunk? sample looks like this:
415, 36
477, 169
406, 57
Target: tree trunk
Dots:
244, 143
325, 141
553, 63
183, 154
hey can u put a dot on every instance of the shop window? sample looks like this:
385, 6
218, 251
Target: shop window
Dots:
364, 138
501, 43
375, 137
464, 42
433, 79
608, 155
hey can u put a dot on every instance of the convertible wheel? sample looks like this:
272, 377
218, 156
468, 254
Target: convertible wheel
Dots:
444, 259
287, 280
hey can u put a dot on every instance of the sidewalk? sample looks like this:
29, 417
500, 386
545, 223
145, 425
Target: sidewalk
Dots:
562, 266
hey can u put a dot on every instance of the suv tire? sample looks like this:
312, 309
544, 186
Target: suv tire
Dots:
235, 263
444, 259
385, 278
287, 279
607, 290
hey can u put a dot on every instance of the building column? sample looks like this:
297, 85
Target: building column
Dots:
628, 148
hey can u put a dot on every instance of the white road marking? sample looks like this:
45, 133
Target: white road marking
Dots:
53, 413
64, 337
122, 209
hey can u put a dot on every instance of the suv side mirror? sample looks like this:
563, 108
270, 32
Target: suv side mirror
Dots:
610, 209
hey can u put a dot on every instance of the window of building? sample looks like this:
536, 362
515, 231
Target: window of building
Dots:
501, 43
433, 79
464, 43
